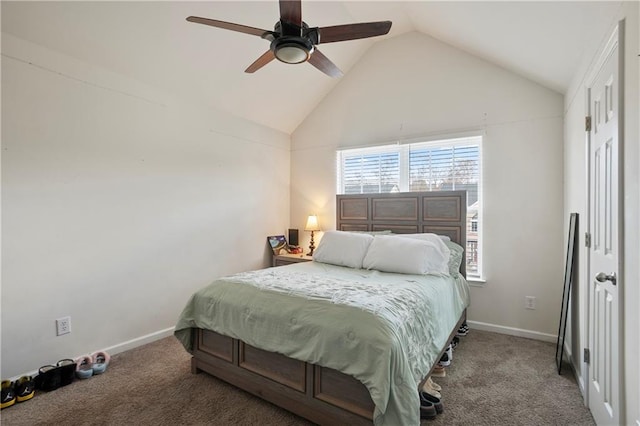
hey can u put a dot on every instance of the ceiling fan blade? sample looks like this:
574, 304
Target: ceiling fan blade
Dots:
228, 26
353, 31
263, 60
325, 65
291, 12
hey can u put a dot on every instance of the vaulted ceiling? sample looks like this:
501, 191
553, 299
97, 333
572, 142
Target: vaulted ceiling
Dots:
153, 43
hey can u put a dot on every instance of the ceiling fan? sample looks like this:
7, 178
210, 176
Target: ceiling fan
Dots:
293, 42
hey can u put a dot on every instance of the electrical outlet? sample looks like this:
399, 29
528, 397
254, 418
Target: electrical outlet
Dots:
63, 326
529, 302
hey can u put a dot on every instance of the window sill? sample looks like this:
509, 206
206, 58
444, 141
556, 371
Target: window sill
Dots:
476, 281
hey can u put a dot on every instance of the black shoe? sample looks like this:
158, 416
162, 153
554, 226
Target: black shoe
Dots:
455, 341
25, 388
463, 330
427, 410
48, 378
426, 398
67, 368
8, 394
444, 361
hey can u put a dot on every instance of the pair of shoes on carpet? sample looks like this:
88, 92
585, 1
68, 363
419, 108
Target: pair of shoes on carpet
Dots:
432, 388
21, 390
439, 371
447, 357
90, 365
433, 385
454, 342
51, 377
430, 406
463, 330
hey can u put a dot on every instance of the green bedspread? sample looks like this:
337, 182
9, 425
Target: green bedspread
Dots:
383, 329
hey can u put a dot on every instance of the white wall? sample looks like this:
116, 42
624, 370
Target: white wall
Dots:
575, 200
118, 202
414, 85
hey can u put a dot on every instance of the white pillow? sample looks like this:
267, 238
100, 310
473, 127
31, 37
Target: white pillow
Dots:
437, 240
342, 248
405, 256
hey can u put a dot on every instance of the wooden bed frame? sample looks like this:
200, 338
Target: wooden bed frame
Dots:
324, 395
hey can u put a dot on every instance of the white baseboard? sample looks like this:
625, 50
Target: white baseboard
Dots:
139, 341
536, 335
120, 347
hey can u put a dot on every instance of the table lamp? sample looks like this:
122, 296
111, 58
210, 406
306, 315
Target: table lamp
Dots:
312, 225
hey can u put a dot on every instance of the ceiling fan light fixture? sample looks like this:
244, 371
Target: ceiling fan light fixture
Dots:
292, 54
292, 50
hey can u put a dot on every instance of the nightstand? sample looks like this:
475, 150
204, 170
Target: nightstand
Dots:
289, 258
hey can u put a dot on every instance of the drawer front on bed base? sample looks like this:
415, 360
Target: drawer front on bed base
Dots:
279, 368
216, 344
322, 395
342, 391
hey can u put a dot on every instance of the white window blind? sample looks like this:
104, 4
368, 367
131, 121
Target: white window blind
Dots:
375, 170
443, 165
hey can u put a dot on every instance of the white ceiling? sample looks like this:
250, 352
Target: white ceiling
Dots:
152, 42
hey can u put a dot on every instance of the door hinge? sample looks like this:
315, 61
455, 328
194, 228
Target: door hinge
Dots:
586, 356
587, 123
587, 240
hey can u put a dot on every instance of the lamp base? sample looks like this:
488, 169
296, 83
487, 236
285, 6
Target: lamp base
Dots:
311, 246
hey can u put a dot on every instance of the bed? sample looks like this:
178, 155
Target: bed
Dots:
325, 360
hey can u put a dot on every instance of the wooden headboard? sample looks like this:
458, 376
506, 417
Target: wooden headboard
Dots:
440, 212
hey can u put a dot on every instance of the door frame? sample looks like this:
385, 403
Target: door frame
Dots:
616, 40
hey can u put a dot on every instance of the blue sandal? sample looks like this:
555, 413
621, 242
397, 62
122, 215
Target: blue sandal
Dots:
84, 367
100, 362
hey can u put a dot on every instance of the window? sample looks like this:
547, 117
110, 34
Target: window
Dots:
373, 171
443, 165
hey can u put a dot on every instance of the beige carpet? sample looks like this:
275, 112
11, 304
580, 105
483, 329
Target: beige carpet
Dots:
494, 380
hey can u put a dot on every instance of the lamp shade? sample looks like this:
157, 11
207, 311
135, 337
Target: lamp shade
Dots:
312, 223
